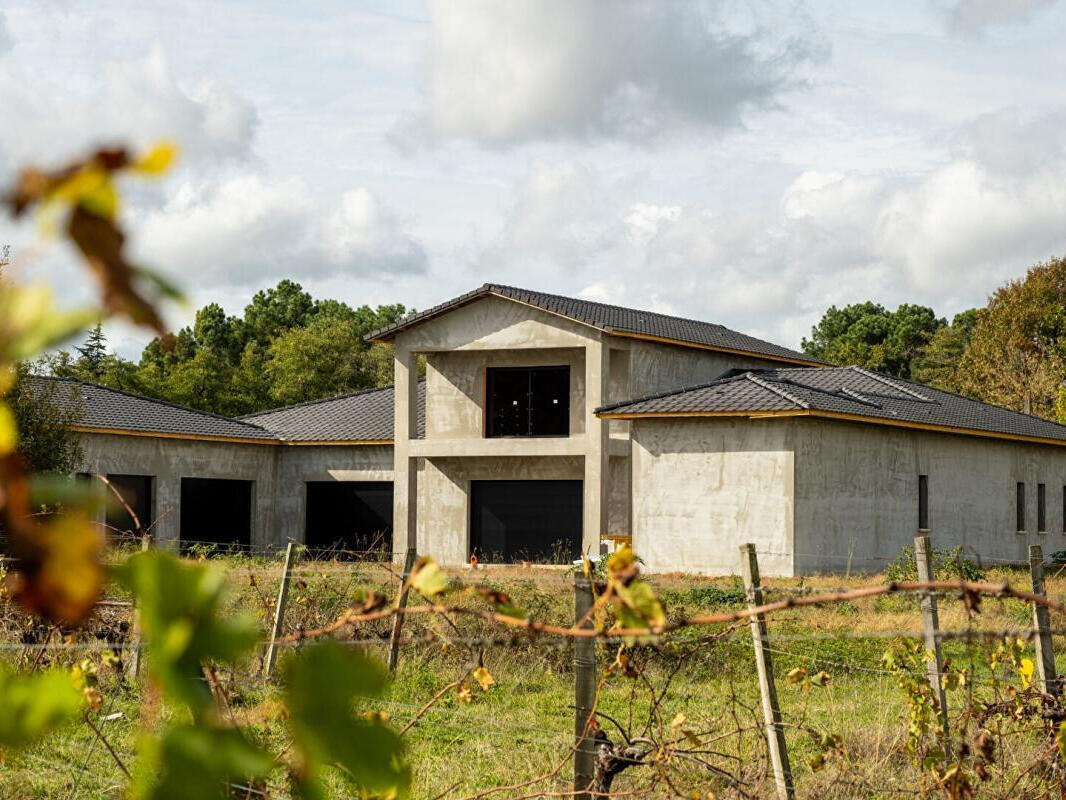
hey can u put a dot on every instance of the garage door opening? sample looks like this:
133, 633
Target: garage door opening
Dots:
513, 521
136, 493
216, 512
351, 519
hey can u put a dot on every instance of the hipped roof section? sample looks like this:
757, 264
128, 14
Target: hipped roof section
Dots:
614, 320
842, 393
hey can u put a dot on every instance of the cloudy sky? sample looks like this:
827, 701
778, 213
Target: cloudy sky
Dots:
745, 163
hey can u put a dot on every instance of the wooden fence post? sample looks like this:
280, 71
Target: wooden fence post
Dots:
279, 613
923, 555
1045, 653
401, 603
584, 690
133, 666
775, 733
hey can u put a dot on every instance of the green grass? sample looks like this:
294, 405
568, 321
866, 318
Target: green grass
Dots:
523, 726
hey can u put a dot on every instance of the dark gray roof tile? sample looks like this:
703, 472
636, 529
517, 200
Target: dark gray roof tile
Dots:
614, 319
850, 391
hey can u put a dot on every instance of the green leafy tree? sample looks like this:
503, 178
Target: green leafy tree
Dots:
44, 419
327, 357
277, 310
869, 335
1016, 356
938, 362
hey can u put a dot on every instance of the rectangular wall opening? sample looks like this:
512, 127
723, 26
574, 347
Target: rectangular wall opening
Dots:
351, 518
527, 401
1019, 506
1041, 508
136, 492
923, 502
216, 512
515, 521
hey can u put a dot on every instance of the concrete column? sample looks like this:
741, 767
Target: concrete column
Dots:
167, 530
597, 375
405, 471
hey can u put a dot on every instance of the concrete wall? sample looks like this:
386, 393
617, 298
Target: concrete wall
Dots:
170, 460
703, 487
658, 367
280, 474
302, 463
857, 494
444, 521
455, 387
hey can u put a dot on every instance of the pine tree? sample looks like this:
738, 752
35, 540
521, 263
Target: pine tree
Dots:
94, 352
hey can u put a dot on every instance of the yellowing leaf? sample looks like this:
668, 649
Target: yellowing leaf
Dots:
92, 189
35, 703
157, 160
640, 607
428, 578
484, 678
679, 720
9, 435
464, 694
820, 678
621, 560
1026, 668
796, 675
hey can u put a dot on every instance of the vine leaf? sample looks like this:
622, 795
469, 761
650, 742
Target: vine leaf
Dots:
181, 622
200, 762
35, 704
322, 685
428, 579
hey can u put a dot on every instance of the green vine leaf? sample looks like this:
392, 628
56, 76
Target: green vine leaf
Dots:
201, 762
182, 625
35, 704
322, 686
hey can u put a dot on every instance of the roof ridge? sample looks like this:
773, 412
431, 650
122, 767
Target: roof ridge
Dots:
168, 403
344, 396
886, 381
769, 386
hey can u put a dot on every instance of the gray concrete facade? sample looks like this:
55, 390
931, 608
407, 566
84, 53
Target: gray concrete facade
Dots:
828, 496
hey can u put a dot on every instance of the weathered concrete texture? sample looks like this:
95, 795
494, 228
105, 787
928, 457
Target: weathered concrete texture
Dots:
857, 494
658, 367
444, 524
279, 472
703, 487
299, 464
455, 387
170, 460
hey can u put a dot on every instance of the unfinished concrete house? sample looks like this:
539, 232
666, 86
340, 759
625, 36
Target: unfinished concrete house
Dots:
546, 424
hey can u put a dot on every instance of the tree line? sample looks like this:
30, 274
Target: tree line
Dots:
1011, 352
287, 347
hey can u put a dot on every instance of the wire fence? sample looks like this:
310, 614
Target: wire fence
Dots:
680, 712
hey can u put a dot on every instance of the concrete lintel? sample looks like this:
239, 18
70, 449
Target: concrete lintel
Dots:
500, 448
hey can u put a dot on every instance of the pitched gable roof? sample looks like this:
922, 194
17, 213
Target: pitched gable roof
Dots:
363, 417
617, 321
102, 409
846, 393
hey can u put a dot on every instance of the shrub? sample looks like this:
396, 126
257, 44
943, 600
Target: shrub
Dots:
948, 563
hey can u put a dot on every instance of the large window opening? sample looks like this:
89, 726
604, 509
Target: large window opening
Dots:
514, 521
527, 401
136, 494
350, 519
216, 514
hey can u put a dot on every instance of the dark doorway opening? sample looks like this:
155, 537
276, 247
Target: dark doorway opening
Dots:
512, 521
527, 401
216, 511
136, 492
351, 518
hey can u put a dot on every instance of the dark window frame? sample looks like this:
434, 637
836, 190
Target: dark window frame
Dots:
1041, 508
923, 502
1019, 506
527, 415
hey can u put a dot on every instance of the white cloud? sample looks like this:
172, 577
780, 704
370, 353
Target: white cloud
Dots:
500, 73
246, 230
5, 37
136, 102
974, 16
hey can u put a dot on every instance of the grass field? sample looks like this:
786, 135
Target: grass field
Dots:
522, 727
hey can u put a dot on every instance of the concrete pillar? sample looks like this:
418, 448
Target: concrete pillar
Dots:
597, 375
167, 530
405, 469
